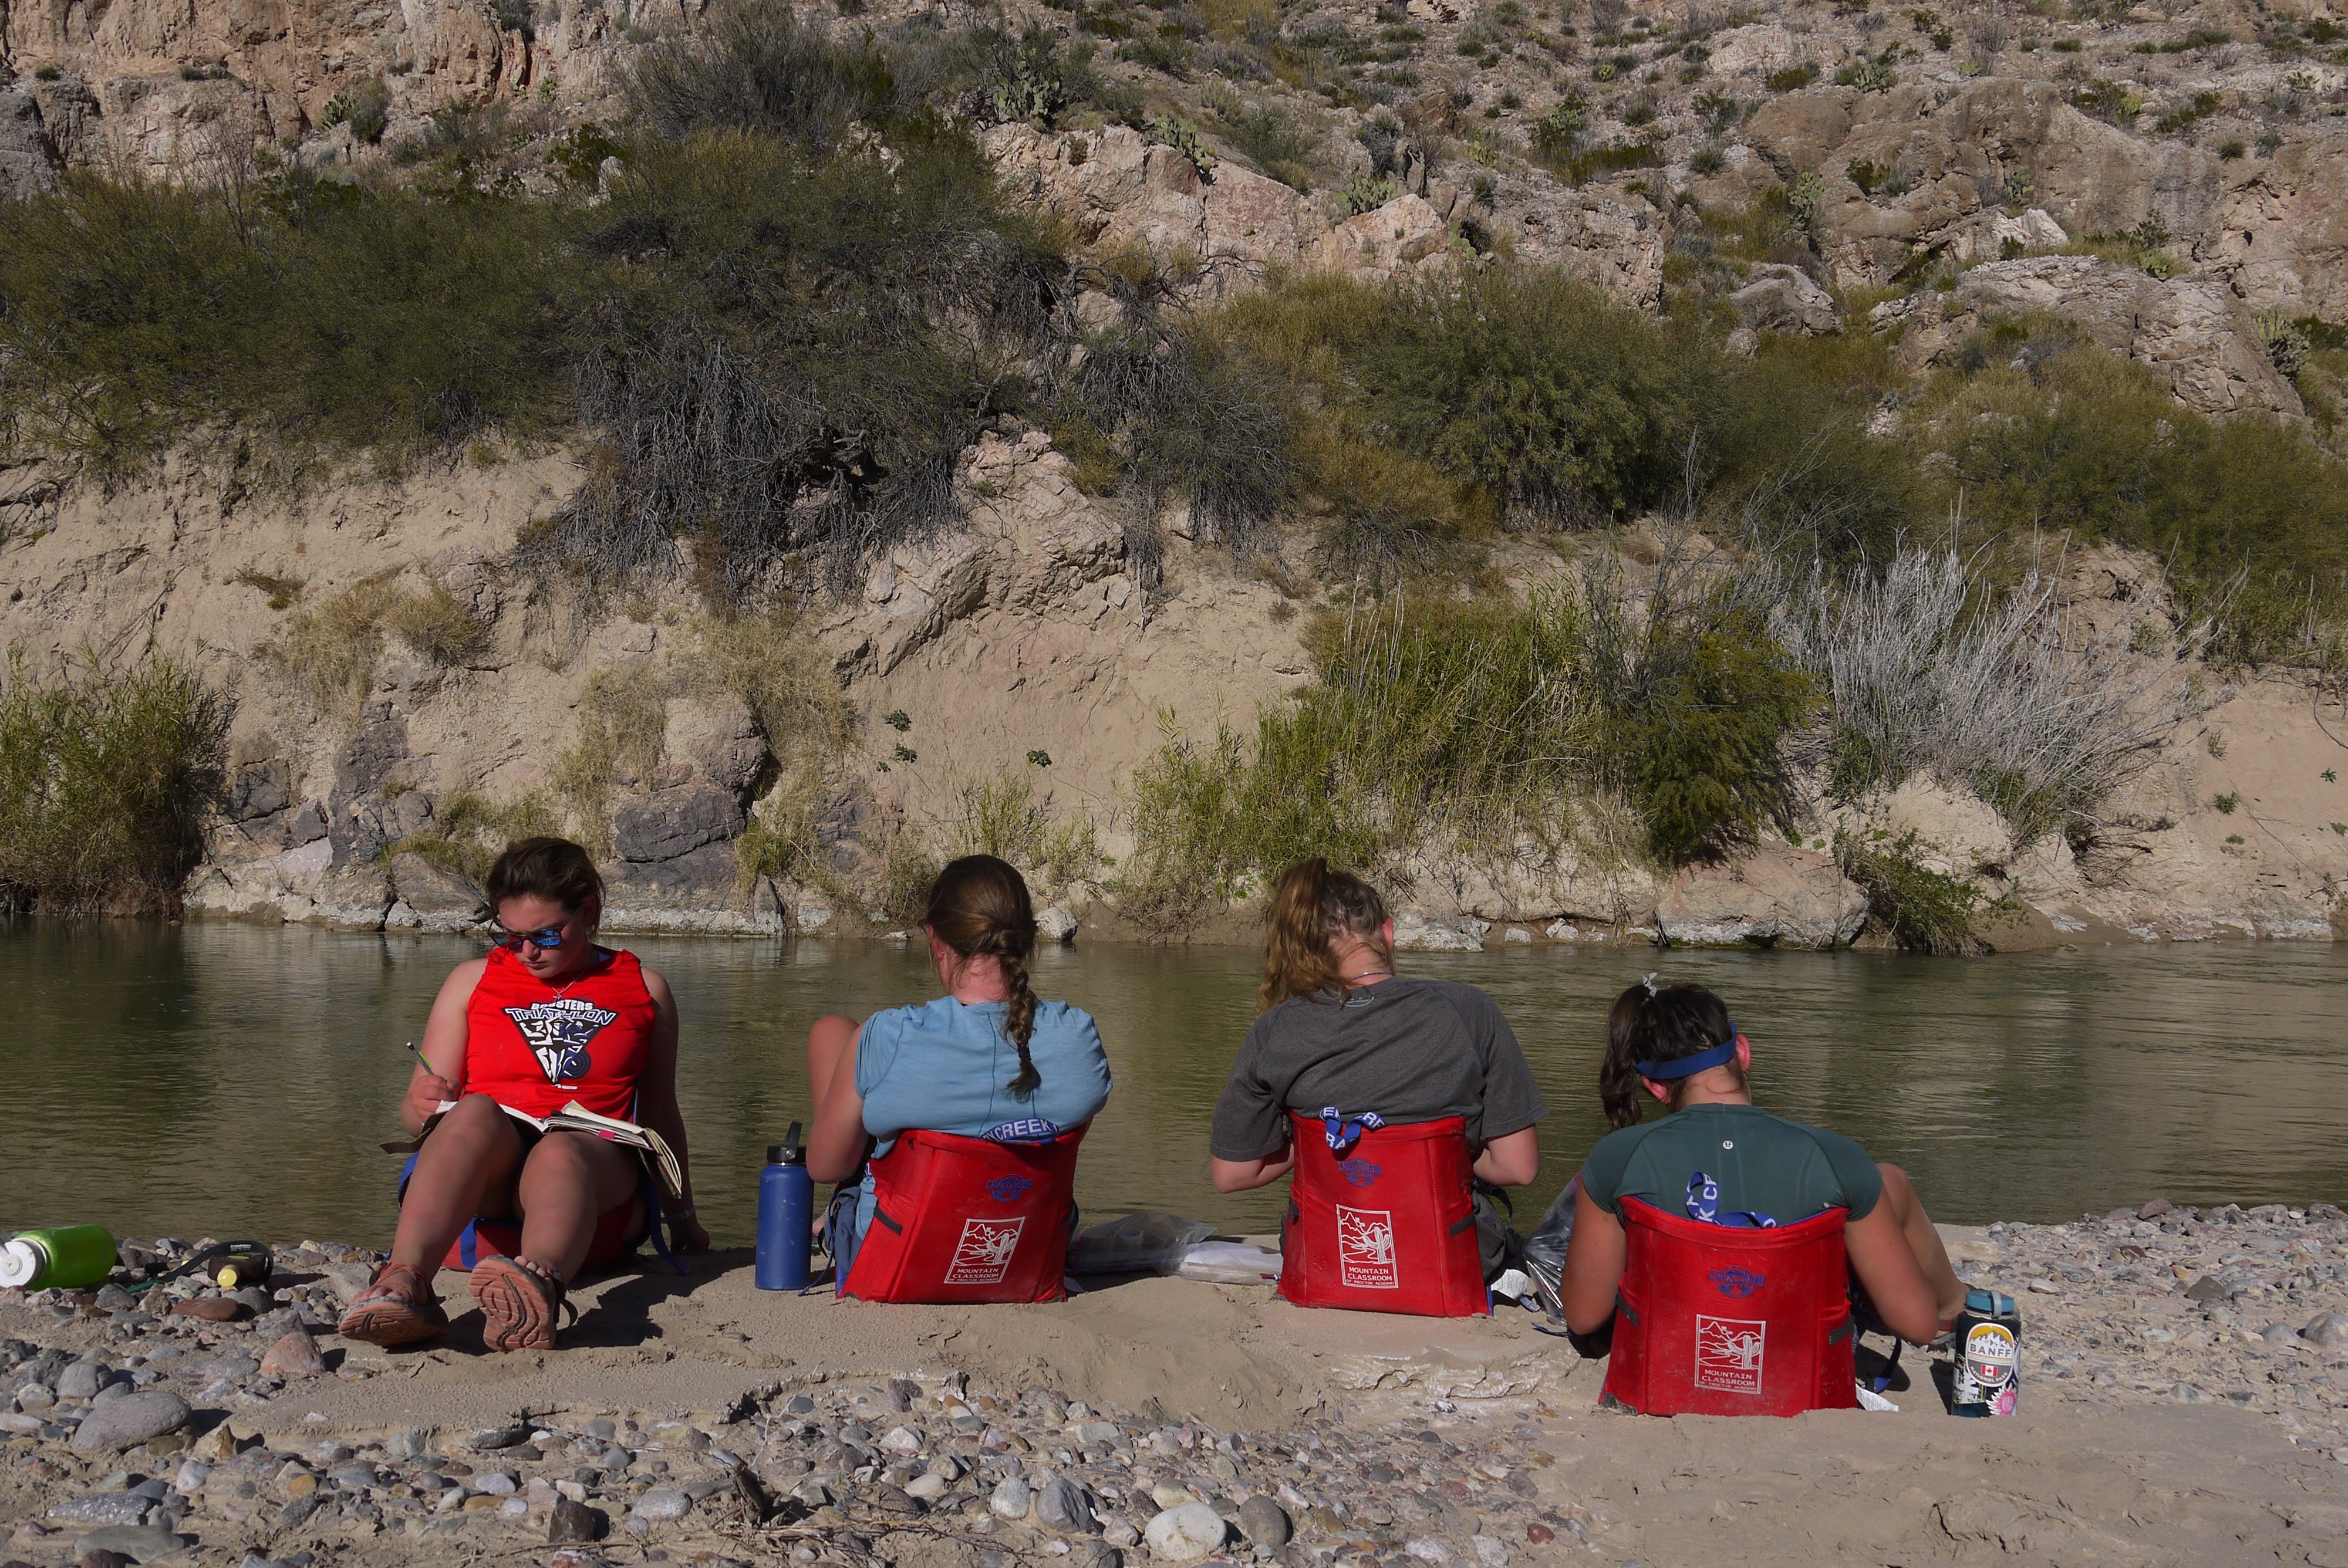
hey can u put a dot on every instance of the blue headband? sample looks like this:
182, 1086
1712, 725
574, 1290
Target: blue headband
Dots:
1689, 1066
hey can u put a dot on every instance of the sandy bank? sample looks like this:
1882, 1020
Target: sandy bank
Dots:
2172, 1412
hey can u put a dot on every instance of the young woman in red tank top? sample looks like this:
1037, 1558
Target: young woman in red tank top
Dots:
546, 1019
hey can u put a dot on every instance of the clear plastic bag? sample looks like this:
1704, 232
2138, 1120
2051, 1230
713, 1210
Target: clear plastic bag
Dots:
1231, 1262
1135, 1243
1545, 1250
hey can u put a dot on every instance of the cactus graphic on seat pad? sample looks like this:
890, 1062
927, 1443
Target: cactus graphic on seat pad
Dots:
1365, 1250
984, 1255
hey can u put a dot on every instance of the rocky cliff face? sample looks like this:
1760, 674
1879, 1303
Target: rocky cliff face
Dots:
1013, 648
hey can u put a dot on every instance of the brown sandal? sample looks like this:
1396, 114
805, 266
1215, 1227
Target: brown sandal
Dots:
397, 1308
520, 1302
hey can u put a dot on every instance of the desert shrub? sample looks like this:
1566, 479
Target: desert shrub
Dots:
468, 832
1929, 668
1005, 817
2250, 517
1426, 723
1276, 141
819, 342
763, 68
1174, 412
106, 777
331, 650
323, 318
1920, 908
1531, 386
1694, 697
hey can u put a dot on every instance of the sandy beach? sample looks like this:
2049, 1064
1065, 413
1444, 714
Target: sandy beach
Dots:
2164, 1420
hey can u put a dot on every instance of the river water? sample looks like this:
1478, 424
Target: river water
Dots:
235, 1081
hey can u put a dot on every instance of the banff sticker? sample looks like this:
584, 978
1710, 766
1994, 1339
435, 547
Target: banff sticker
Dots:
1728, 1354
1365, 1250
983, 1257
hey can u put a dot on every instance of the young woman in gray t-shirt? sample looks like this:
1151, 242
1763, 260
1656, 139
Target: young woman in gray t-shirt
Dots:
1336, 1027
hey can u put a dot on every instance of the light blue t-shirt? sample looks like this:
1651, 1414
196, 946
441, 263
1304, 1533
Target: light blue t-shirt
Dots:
947, 1066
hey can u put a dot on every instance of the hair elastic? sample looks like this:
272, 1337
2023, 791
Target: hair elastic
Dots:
1689, 1066
1648, 980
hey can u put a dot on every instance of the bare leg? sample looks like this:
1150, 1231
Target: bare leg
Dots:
1948, 1290
568, 1184
831, 1047
473, 1155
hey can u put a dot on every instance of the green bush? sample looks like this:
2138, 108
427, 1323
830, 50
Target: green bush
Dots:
320, 317
2251, 517
106, 777
1529, 385
1920, 908
759, 68
1424, 724
1694, 697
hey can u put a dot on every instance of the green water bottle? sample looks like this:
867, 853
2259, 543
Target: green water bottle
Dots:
69, 1257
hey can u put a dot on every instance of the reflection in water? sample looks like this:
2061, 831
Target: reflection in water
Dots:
235, 1080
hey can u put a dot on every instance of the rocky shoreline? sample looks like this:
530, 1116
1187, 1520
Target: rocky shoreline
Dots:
159, 1418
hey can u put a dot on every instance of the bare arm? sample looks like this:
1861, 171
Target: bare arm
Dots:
1885, 1263
1593, 1267
443, 1047
1511, 1160
836, 1141
1246, 1175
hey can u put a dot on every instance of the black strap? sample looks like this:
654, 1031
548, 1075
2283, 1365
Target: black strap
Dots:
1465, 1223
882, 1216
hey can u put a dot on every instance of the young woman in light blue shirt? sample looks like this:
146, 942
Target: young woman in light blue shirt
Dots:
987, 1060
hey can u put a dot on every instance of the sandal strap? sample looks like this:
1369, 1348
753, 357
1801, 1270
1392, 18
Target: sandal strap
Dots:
558, 1295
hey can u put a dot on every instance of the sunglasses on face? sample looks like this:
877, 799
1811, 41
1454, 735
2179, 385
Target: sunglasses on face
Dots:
545, 939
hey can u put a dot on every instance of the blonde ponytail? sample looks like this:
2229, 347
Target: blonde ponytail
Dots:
1311, 908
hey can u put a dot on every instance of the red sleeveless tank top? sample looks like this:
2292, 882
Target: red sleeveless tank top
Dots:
535, 1047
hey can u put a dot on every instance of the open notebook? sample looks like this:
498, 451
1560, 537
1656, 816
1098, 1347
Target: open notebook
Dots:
658, 1157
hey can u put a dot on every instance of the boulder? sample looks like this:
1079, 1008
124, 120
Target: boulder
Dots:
1403, 237
717, 737
1773, 895
1783, 299
1055, 925
1415, 933
670, 822
443, 900
2194, 335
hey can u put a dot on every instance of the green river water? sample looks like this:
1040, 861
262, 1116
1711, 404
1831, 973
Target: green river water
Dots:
235, 1081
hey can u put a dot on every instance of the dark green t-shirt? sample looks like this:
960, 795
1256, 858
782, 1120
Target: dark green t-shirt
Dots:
1763, 1164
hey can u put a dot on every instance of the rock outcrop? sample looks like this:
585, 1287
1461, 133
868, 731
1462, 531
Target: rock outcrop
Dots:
2272, 231
2196, 334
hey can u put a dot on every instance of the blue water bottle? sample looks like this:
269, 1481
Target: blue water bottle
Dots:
785, 1210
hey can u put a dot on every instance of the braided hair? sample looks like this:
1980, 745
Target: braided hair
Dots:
979, 905
1651, 1025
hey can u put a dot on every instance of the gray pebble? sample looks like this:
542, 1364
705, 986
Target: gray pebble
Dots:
104, 1508
140, 1543
2280, 1334
1063, 1505
664, 1502
82, 1380
1263, 1521
130, 1421
1010, 1499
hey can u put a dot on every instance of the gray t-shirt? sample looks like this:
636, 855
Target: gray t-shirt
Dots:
1411, 1050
